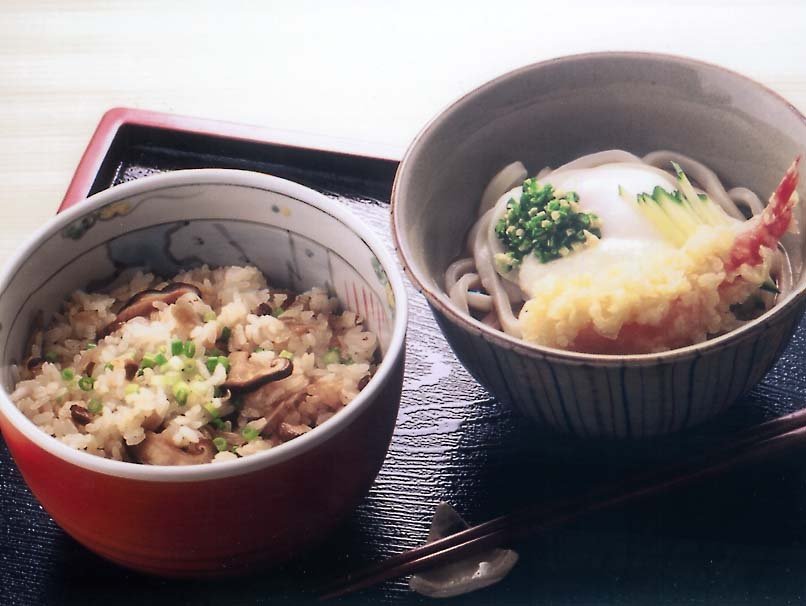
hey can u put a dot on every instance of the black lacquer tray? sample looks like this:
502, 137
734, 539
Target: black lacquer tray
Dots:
738, 540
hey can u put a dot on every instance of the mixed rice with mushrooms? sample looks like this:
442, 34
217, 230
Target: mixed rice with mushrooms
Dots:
210, 365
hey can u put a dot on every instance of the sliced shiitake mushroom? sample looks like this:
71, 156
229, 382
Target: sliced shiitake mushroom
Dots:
287, 431
36, 341
246, 375
142, 304
80, 414
159, 449
131, 367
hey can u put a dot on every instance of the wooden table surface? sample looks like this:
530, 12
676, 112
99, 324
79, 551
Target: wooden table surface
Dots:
359, 70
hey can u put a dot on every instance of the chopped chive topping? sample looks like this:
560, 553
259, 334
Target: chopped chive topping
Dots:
211, 409
209, 316
214, 361
217, 423
332, 356
226, 333
277, 312
148, 361
109, 366
220, 444
249, 433
90, 346
234, 450
160, 359
68, 374
51, 357
181, 392
86, 383
177, 348
544, 223
131, 388
189, 349
286, 354
94, 406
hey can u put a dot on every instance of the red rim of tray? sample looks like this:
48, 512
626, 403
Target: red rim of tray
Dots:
115, 118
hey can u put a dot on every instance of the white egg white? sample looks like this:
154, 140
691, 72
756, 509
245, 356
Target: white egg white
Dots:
626, 234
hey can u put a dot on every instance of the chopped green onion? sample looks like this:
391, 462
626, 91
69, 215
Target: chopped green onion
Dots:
234, 450
249, 433
209, 316
226, 333
148, 361
95, 406
131, 388
68, 374
286, 354
90, 346
189, 349
543, 222
86, 383
109, 366
177, 347
52, 357
332, 356
259, 349
214, 361
220, 444
217, 423
181, 392
211, 409
160, 359
278, 312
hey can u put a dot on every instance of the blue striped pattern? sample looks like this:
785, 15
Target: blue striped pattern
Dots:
628, 399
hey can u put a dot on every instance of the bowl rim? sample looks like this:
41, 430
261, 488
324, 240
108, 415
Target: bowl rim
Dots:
274, 456
442, 303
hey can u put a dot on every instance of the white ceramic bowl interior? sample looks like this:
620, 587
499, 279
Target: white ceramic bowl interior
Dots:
167, 223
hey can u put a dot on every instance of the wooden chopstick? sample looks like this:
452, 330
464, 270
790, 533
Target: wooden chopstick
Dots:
754, 444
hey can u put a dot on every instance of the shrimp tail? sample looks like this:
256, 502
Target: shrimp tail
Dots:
766, 229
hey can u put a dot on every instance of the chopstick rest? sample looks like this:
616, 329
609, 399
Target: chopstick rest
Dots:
463, 576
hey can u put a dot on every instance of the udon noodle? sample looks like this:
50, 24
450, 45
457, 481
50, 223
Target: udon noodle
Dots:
479, 288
